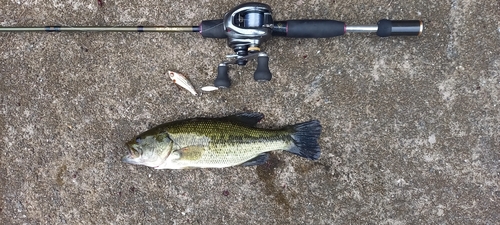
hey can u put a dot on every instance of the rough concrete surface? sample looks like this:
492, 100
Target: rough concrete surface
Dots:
410, 124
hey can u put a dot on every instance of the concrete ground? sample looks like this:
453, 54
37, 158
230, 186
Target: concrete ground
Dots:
411, 125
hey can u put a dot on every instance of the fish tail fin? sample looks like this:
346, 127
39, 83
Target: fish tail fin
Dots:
305, 139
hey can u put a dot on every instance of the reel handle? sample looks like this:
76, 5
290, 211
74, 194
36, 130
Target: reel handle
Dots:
262, 73
222, 80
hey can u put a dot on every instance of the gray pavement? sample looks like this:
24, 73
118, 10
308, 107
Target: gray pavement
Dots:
410, 124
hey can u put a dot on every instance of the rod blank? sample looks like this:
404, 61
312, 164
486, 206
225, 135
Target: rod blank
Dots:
103, 29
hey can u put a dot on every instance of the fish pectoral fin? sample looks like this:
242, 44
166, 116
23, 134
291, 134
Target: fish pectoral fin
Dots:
190, 153
259, 160
248, 118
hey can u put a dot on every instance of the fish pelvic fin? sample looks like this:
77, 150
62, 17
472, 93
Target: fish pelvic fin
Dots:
305, 139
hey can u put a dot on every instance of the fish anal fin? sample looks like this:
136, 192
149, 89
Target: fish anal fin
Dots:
258, 160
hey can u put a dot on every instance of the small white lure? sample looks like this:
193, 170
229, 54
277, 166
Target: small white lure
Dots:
209, 88
182, 81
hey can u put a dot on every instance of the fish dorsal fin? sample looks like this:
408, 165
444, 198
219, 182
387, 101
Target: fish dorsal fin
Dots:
258, 160
248, 118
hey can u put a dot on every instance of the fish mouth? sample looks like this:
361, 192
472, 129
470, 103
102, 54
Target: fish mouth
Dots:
130, 159
127, 159
132, 155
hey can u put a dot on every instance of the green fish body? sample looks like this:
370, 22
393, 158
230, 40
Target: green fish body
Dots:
220, 142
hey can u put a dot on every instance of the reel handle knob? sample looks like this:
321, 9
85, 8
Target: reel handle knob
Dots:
222, 80
262, 73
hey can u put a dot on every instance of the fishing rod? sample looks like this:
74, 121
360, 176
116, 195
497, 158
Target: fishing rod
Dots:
246, 27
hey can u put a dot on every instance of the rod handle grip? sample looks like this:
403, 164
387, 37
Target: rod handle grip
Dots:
388, 28
212, 29
309, 28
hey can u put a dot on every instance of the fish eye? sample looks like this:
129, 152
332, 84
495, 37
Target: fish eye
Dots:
138, 140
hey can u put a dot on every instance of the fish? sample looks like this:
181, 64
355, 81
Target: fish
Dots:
182, 81
220, 142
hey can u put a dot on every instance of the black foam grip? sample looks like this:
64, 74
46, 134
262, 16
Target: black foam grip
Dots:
388, 28
222, 80
212, 29
314, 28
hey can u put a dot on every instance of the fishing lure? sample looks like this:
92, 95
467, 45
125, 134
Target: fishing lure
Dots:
182, 81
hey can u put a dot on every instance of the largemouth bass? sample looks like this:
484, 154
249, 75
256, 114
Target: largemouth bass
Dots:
220, 142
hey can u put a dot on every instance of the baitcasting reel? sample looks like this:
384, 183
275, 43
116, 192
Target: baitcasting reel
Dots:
247, 26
